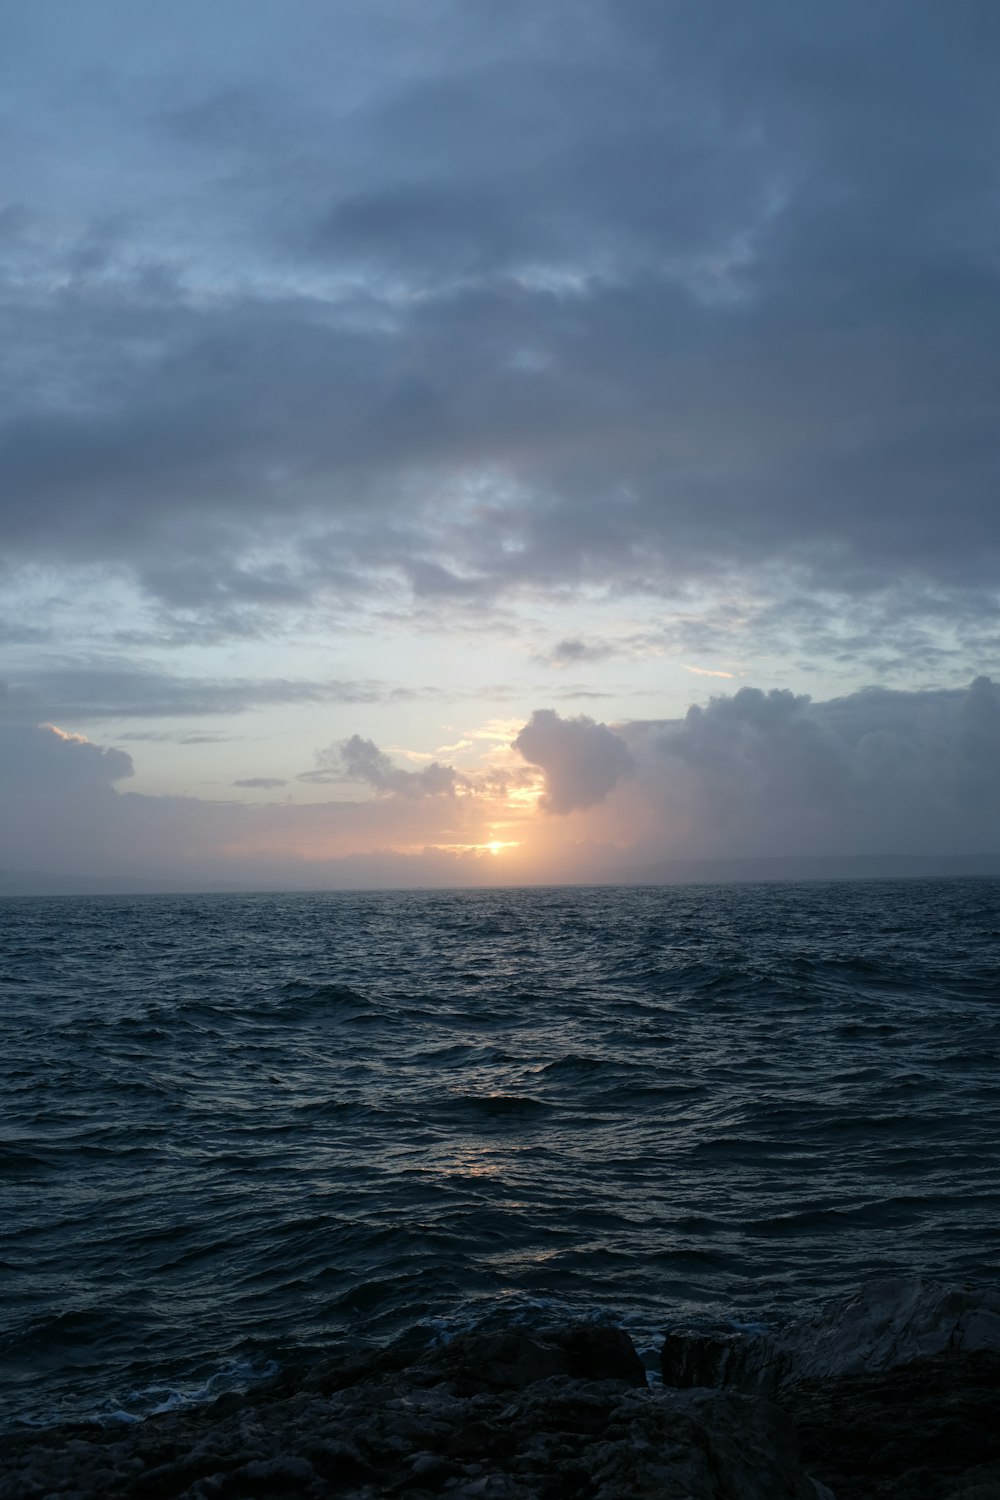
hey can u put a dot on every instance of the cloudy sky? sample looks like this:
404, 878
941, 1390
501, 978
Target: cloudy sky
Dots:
461, 441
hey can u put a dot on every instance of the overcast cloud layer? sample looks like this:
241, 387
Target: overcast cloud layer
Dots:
583, 334
640, 293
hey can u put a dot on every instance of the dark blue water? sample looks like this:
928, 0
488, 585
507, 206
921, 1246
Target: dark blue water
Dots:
236, 1128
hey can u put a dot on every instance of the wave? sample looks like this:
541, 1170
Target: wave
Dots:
320, 1117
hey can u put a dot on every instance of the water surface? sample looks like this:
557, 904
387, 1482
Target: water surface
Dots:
237, 1128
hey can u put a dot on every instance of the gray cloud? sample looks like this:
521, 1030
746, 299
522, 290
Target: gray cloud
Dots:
79, 693
83, 691
59, 806
576, 692
39, 757
748, 774
583, 761
358, 759
874, 772
65, 815
172, 737
703, 295
362, 760
571, 652
262, 783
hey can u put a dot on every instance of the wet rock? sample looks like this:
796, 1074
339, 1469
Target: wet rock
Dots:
892, 1394
665, 1444
926, 1430
513, 1416
508, 1361
516, 1358
750, 1363
893, 1322
894, 1391
890, 1322
597, 1353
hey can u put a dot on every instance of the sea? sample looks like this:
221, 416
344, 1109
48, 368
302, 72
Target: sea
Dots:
240, 1131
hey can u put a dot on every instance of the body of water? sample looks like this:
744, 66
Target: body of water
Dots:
236, 1129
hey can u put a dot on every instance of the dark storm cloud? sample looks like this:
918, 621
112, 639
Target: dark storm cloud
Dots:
874, 772
757, 773
635, 294
583, 761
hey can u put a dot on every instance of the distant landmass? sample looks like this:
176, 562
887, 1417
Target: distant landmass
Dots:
801, 867
45, 883
666, 872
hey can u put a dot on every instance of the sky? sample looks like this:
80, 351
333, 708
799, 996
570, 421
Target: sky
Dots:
460, 443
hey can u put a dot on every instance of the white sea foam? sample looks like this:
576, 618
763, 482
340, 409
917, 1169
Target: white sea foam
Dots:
153, 1400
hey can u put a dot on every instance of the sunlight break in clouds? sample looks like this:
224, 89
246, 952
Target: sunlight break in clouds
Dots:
749, 774
364, 379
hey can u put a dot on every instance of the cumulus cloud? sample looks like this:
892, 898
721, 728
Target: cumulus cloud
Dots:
876, 771
748, 774
759, 773
58, 798
65, 814
46, 758
358, 759
582, 760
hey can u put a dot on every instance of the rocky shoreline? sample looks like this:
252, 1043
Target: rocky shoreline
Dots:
891, 1393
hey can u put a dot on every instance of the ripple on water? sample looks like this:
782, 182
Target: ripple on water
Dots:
238, 1125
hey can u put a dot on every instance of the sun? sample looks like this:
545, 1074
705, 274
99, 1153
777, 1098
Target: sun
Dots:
498, 846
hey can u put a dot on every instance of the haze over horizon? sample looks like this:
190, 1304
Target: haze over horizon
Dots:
456, 444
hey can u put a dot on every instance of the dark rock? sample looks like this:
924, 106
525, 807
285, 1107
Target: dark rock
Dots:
275, 1476
893, 1322
508, 1361
336, 1374
925, 1430
894, 1390
597, 1353
516, 1358
733, 1362
497, 1417
891, 1395
888, 1323
336, 1461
